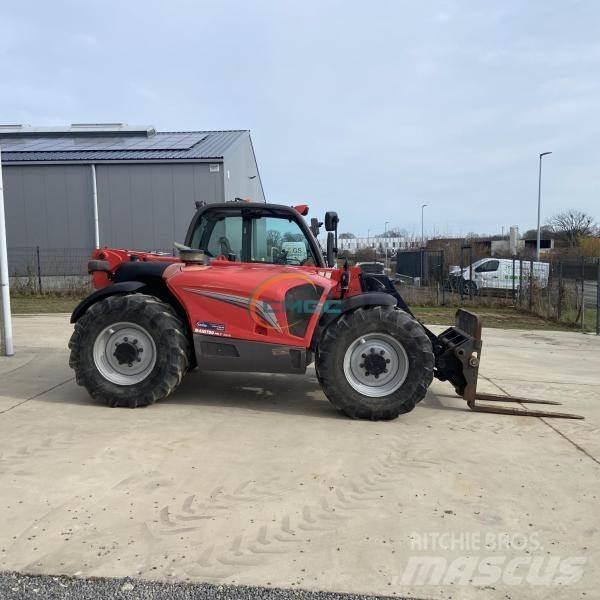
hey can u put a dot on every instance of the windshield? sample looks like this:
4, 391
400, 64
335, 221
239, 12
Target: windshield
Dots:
245, 237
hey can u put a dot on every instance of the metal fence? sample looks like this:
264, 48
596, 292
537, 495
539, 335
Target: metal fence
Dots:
34, 269
565, 290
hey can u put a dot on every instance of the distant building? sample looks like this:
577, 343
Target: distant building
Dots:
490, 247
146, 182
381, 244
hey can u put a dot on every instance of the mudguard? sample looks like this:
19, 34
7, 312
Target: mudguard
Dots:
347, 305
124, 287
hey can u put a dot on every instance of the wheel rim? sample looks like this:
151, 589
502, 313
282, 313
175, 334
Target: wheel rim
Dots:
375, 364
124, 353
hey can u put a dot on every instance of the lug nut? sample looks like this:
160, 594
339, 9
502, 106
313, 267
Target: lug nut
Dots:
372, 350
387, 360
361, 365
364, 355
381, 352
376, 375
125, 339
367, 373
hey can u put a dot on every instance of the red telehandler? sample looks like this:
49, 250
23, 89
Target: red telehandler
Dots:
252, 290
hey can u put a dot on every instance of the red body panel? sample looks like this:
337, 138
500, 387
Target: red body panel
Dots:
115, 257
256, 282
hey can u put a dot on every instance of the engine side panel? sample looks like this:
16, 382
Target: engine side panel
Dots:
248, 301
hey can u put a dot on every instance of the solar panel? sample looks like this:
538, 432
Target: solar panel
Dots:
169, 141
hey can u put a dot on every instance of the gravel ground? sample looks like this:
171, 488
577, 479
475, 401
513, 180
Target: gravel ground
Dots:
16, 586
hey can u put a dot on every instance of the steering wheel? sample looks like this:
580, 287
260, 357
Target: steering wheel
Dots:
282, 257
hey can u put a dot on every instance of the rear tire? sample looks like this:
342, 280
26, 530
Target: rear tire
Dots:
470, 288
129, 350
390, 343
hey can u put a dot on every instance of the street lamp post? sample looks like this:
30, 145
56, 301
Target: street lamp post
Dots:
539, 237
422, 228
385, 242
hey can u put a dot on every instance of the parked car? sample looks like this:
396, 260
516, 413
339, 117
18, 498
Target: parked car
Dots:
375, 268
498, 273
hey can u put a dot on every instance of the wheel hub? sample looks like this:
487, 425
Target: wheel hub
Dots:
124, 353
376, 364
127, 352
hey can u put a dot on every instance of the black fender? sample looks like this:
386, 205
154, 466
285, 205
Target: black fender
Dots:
123, 287
376, 282
348, 305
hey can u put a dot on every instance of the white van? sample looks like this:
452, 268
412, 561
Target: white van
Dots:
499, 273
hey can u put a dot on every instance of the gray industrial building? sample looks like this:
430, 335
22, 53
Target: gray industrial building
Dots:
137, 184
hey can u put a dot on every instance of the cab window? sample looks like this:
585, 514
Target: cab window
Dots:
488, 266
279, 241
219, 237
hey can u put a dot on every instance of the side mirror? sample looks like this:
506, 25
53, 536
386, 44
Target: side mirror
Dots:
331, 250
331, 221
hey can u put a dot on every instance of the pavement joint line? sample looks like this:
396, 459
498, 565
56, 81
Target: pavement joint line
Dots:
580, 448
545, 422
492, 379
36, 395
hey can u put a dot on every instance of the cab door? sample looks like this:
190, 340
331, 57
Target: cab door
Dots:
487, 274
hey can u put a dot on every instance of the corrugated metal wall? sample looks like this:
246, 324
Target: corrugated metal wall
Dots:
150, 206
146, 206
241, 176
48, 206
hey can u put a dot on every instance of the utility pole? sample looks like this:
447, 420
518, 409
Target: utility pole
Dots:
539, 237
422, 225
6, 343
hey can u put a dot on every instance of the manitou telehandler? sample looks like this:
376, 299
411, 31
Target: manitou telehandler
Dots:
252, 290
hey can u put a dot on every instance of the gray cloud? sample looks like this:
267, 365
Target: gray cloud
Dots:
370, 109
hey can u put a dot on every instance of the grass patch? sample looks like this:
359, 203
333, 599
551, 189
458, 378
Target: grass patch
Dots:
46, 303
498, 317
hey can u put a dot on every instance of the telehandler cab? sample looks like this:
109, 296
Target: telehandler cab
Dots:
252, 290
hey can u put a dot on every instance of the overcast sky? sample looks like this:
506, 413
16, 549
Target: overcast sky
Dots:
367, 108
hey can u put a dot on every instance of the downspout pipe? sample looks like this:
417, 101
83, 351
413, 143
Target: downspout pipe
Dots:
95, 201
7, 339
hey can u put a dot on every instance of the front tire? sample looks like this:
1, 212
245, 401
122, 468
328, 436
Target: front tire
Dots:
375, 363
129, 350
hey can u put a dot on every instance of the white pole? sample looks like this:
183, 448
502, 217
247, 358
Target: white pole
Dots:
6, 315
539, 231
95, 197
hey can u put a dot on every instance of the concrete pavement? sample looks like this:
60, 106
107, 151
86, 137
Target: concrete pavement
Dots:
254, 479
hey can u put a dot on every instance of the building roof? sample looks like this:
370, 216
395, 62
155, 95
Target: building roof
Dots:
111, 142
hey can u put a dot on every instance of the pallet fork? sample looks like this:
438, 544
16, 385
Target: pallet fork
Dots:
458, 355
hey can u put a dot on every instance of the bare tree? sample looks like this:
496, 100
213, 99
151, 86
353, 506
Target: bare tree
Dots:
572, 225
274, 239
347, 236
